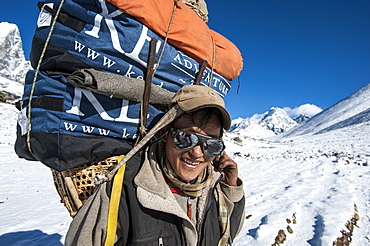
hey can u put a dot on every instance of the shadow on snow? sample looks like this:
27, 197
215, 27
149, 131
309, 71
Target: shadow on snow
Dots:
30, 238
254, 232
318, 231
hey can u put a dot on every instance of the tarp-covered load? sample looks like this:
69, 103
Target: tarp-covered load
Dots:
113, 41
80, 107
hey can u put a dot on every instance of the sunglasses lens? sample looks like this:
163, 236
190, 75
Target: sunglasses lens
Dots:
213, 148
185, 140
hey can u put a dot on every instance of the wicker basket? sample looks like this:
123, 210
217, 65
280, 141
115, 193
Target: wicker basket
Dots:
76, 185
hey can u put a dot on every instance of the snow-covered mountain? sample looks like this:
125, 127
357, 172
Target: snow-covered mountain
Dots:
353, 110
277, 120
307, 109
273, 122
277, 124
13, 65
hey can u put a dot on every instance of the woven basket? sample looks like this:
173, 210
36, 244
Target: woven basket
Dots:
76, 185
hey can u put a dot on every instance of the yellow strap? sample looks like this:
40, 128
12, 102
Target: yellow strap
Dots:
114, 204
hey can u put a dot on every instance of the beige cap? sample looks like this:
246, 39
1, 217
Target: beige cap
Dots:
194, 97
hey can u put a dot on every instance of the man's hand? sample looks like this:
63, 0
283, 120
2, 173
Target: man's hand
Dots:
228, 168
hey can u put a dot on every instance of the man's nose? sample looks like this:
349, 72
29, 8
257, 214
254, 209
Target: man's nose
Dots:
196, 152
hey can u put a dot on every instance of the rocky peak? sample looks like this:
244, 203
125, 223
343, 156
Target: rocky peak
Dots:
13, 65
277, 120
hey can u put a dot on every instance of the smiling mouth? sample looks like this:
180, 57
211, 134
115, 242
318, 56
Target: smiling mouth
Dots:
191, 163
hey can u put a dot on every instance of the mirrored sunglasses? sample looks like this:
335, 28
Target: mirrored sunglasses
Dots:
185, 140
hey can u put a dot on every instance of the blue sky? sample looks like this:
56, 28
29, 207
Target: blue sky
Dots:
294, 51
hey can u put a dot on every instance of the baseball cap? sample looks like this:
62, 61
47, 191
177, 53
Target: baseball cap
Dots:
195, 97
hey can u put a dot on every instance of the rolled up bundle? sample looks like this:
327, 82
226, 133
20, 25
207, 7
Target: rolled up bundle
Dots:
118, 86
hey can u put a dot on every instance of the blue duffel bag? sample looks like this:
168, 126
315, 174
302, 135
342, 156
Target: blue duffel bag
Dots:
70, 126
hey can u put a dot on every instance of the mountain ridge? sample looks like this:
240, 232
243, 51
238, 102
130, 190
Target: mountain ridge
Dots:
273, 122
346, 112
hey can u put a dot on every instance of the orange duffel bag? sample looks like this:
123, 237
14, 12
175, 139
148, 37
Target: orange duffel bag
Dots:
188, 33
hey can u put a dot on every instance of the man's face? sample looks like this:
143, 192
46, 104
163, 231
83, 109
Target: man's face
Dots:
188, 164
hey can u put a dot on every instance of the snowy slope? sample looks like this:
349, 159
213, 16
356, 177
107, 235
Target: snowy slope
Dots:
317, 173
354, 106
30, 211
320, 181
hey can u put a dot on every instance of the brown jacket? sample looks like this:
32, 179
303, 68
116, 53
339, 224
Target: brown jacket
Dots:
146, 196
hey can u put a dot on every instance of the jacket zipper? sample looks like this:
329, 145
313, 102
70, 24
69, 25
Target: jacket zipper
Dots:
189, 208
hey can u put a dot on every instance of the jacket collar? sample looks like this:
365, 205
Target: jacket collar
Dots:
152, 189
